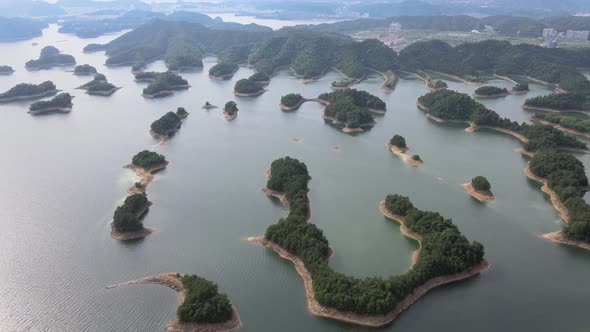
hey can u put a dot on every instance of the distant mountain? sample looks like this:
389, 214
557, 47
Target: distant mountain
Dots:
121, 4
12, 29
29, 8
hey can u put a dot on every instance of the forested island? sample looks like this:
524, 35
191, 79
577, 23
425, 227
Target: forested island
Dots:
6, 70
352, 108
260, 78
145, 164
166, 126
560, 102
291, 102
480, 189
230, 110
61, 103
223, 71
165, 84
181, 112
247, 87
25, 91
50, 57
203, 307
84, 70
99, 85
397, 146
570, 124
436, 84
520, 88
127, 224
445, 255
489, 91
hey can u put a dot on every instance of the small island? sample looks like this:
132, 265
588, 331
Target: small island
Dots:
208, 106
99, 86
247, 87
25, 91
61, 103
520, 89
230, 110
436, 84
488, 91
480, 189
146, 76
291, 102
164, 85
352, 108
127, 224
166, 126
50, 57
397, 146
223, 71
84, 70
260, 78
202, 308
181, 112
6, 70
145, 164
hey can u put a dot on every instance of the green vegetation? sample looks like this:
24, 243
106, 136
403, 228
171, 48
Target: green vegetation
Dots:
561, 101
344, 82
127, 217
167, 124
481, 184
84, 70
570, 122
359, 98
519, 87
291, 100
62, 100
25, 90
165, 83
398, 141
50, 57
6, 70
490, 91
137, 67
180, 55
444, 249
437, 84
223, 70
146, 75
203, 303
101, 88
181, 112
231, 108
416, 157
351, 106
259, 78
248, 86
452, 105
148, 159
566, 176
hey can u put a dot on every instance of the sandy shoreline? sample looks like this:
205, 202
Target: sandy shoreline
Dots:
558, 237
402, 153
145, 176
482, 197
559, 127
230, 117
553, 110
475, 127
552, 194
172, 281
457, 78
404, 230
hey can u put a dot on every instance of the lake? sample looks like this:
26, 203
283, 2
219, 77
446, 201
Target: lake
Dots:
63, 176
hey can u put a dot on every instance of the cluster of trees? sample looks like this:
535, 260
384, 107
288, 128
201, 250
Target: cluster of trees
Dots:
146, 75
260, 78
25, 89
291, 100
148, 159
489, 90
166, 81
562, 101
482, 184
359, 98
98, 84
398, 141
181, 112
63, 100
571, 122
127, 217
50, 56
444, 249
248, 86
230, 108
84, 70
437, 84
203, 303
452, 105
520, 87
566, 176
6, 70
351, 106
223, 69
167, 124
181, 55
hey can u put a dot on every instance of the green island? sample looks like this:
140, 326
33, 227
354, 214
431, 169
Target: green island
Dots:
202, 308
397, 146
230, 110
145, 76
291, 102
84, 70
520, 88
444, 254
99, 86
480, 189
6, 70
489, 91
181, 112
164, 85
352, 108
260, 78
247, 87
62, 103
145, 164
570, 124
50, 57
223, 71
127, 220
436, 84
166, 126
26, 91
208, 106
560, 102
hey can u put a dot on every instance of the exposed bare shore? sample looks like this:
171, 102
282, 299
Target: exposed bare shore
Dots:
172, 281
482, 197
253, 94
506, 78
457, 78
402, 153
126, 236
552, 194
230, 117
29, 97
388, 76
553, 110
474, 127
145, 176
51, 110
536, 80
404, 230
294, 107
559, 238
224, 77
559, 127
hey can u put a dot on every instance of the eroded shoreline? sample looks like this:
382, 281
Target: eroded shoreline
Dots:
402, 153
478, 195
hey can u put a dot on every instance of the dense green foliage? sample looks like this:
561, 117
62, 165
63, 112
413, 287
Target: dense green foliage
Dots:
246, 85
50, 57
127, 217
181, 112
223, 69
488, 90
416, 157
291, 100
230, 108
521, 87
203, 303
561, 101
570, 122
351, 106
148, 159
480, 183
84, 70
25, 89
359, 98
63, 100
164, 82
452, 105
146, 75
180, 55
98, 87
566, 176
259, 77
398, 141
167, 124
444, 250
437, 84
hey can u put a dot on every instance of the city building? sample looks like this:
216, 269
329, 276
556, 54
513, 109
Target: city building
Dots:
577, 35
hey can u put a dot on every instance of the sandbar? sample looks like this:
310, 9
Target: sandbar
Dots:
480, 196
401, 152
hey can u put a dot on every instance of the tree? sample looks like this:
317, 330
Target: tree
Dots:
398, 141
480, 183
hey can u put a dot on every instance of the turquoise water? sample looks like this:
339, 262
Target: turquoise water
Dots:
63, 177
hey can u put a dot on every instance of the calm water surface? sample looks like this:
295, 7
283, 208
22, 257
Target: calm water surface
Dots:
62, 178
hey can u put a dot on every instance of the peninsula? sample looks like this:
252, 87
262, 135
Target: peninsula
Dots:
61, 103
223, 71
145, 164
480, 189
50, 57
397, 146
560, 103
166, 126
25, 91
230, 110
260, 78
568, 124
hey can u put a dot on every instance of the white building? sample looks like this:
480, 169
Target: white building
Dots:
549, 33
577, 35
